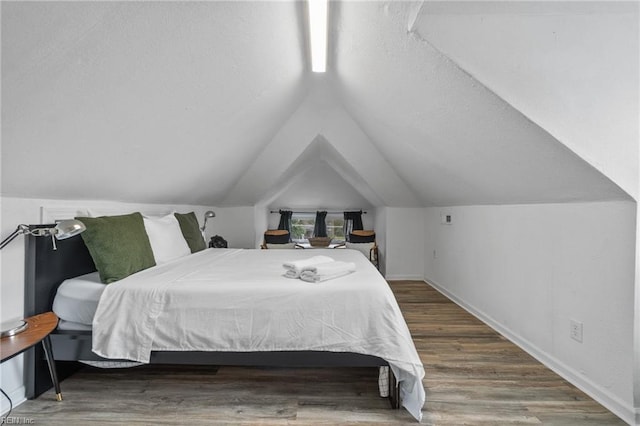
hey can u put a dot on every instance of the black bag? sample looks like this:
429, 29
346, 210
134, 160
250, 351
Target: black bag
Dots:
218, 242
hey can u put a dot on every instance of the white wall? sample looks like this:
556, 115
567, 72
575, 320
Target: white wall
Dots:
528, 270
234, 224
380, 226
636, 332
404, 245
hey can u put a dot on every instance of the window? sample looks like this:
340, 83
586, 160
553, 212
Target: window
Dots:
335, 226
302, 225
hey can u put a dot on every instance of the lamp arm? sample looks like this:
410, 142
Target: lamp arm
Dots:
21, 229
207, 215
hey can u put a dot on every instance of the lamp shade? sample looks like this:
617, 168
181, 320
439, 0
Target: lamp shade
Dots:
68, 228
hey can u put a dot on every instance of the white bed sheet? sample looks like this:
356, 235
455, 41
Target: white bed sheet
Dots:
77, 299
239, 300
73, 326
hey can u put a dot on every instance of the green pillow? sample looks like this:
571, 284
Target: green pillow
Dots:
191, 231
119, 245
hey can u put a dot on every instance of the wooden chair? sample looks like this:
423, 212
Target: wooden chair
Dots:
278, 239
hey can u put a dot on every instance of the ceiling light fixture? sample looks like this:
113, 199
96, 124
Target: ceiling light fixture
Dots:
318, 34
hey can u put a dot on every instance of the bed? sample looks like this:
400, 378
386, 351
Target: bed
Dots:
304, 335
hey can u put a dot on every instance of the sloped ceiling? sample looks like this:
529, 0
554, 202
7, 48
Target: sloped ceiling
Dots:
213, 103
318, 173
160, 102
320, 187
571, 67
342, 143
446, 134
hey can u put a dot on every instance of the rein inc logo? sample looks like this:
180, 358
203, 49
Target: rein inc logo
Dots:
16, 421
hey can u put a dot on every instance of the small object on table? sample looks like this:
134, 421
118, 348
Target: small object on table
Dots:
11, 328
218, 242
38, 328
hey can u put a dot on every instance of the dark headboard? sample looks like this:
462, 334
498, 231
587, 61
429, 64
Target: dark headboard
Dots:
45, 268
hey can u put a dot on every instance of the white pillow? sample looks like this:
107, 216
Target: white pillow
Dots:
364, 248
165, 236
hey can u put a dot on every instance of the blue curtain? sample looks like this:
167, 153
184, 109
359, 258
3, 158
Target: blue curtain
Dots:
320, 227
285, 220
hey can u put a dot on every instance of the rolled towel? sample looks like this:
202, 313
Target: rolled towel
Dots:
294, 268
327, 271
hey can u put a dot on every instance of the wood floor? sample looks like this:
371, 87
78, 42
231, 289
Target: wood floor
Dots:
473, 376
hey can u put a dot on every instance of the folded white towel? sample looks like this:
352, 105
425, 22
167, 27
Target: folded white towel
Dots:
327, 271
295, 267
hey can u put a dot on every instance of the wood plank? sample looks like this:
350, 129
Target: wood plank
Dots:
473, 376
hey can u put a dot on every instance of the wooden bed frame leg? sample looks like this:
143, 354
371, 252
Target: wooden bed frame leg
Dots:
394, 391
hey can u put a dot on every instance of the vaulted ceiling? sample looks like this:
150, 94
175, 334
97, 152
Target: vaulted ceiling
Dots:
424, 103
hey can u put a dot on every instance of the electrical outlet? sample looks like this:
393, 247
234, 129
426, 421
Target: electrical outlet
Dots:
575, 332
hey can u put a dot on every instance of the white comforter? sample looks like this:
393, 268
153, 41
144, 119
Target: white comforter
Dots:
239, 300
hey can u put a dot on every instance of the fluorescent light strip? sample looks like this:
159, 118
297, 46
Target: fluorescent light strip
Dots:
318, 33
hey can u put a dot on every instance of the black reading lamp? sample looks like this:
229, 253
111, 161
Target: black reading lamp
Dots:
63, 230
208, 215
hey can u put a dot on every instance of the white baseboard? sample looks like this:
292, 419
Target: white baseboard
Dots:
404, 278
17, 398
611, 402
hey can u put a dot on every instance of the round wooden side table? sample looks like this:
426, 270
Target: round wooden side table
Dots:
38, 329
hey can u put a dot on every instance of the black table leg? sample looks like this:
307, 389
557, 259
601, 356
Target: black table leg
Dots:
394, 390
48, 353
